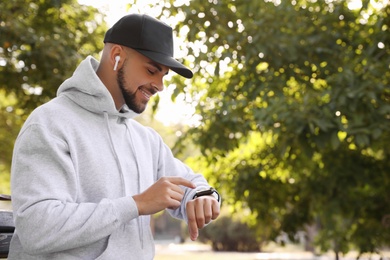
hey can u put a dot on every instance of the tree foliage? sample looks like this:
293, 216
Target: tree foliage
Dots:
294, 98
41, 43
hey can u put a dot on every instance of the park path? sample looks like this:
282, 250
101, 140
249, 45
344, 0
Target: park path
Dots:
169, 250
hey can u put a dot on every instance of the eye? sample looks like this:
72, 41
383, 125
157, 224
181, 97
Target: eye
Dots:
151, 72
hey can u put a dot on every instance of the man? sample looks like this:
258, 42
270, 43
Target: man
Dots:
85, 176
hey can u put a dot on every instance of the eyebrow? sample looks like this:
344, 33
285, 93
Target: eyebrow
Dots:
157, 66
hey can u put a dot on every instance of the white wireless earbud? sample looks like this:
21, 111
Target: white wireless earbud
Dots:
117, 58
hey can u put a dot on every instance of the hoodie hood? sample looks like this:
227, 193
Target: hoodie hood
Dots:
88, 91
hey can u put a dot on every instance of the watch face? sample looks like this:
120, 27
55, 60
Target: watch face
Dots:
215, 195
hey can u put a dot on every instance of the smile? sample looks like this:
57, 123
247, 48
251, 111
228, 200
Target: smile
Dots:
146, 94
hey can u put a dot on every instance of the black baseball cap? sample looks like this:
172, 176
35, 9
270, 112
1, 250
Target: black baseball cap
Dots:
149, 37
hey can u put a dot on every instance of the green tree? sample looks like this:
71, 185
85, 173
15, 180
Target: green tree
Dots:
294, 98
41, 43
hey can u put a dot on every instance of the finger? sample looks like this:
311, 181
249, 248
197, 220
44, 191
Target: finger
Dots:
199, 210
215, 209
194, 233
207, 210
181, 181
176, 195
192, 226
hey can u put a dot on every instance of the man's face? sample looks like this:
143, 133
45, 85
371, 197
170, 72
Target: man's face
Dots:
139, 79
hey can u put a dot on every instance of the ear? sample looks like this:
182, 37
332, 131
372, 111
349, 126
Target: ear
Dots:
115, 56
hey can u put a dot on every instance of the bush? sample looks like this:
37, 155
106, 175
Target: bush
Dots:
227, 234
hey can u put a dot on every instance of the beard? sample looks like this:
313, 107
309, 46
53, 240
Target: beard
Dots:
130, 98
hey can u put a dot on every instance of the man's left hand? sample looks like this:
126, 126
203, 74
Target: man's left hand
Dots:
200, 211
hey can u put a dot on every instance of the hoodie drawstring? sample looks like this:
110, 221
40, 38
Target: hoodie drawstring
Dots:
139, 219
115, 153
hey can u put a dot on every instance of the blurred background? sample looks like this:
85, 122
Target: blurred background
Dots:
288, 114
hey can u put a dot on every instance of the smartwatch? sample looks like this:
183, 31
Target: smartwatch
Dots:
210, 191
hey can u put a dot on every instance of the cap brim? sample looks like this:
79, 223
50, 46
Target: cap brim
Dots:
169, 62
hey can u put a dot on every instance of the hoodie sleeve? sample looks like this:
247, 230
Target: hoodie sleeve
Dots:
171, 166
44, 192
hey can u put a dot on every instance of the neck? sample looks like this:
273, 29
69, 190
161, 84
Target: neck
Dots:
108, 78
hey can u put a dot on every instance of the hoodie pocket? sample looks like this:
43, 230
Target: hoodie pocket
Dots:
106, 253
125, 244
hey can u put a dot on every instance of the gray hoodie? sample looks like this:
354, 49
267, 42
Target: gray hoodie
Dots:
77, 163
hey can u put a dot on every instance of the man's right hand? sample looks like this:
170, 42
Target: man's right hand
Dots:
165, 193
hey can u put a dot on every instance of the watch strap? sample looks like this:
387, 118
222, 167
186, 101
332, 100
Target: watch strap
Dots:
210, 191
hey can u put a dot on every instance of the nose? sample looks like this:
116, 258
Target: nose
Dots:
158, 85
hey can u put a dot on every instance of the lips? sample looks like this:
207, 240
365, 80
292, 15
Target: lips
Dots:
146, 93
